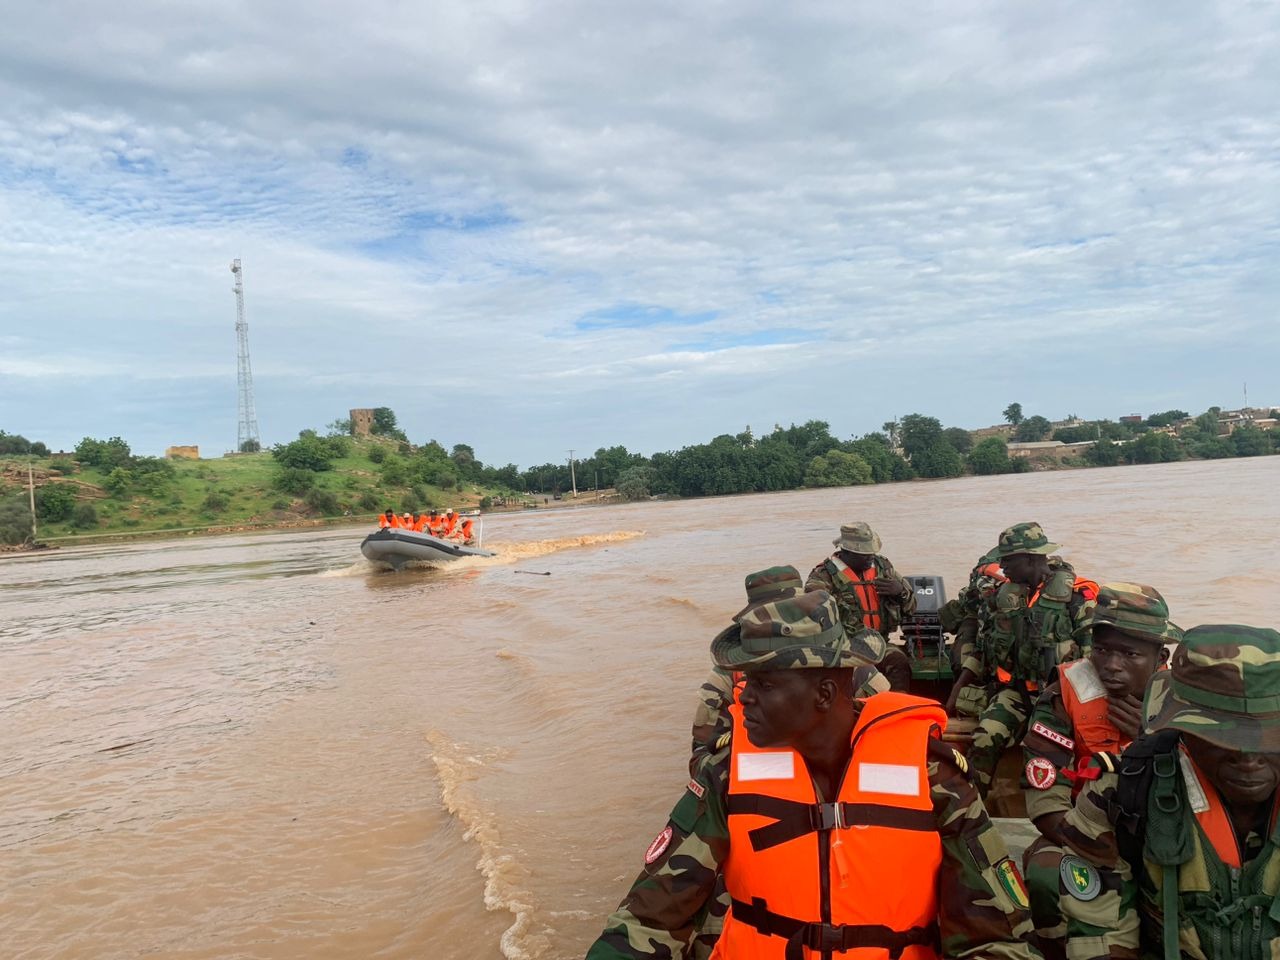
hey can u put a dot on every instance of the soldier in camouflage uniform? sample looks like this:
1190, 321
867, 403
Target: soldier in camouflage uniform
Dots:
869, 592
712, 721
711, 717
1178, 852
963, 616
1032, 629
798, 699
1080, 726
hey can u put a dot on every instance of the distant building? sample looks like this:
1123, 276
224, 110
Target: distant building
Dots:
1133, 418
182, 453
362, 422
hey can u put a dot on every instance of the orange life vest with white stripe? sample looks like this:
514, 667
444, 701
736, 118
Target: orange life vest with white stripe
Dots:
1085, 700
864, 588
794, 861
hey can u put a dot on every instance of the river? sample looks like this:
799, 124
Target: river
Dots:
258, 747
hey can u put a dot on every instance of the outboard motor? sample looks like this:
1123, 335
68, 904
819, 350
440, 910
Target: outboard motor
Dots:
925, 639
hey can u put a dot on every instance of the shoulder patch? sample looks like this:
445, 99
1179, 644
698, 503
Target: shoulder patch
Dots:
1079, 878
659, 846
1011, 880
1041, 773
697, 789
723, 740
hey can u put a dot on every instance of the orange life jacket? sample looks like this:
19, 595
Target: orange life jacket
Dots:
1085, 700
781, 884
449, 522
865, 589
1211, 815
468, 525
421, 523
383, 522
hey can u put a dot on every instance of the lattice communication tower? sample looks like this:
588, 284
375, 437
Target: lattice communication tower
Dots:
247, 431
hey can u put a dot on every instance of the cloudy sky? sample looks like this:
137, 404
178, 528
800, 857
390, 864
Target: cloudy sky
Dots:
541, 226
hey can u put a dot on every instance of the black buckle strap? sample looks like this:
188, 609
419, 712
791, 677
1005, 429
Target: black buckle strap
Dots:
827, 937
794, 819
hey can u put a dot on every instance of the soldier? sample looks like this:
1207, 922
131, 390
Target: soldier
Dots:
963, 617
869, 593
901, 860
1032, 629
1179, 853
1080, 725
711, 718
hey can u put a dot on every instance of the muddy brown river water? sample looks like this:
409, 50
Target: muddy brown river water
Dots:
259, 747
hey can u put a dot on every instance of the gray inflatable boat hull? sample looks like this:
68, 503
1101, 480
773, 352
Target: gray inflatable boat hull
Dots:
397, 546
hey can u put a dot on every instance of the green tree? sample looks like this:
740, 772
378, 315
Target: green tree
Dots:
308, 452
1166, 419
118, 482
927, 448
960, 439
250, 446
54, 502
886, 466
1103, 453
15, 520
215, 501
633, 483
295, 480
1032, 429
84, 516
990, 456
104, 454
384, 424
1153, 447
836, 468
1249, 441
1013, 413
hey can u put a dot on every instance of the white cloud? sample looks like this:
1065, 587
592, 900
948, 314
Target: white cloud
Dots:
939, 209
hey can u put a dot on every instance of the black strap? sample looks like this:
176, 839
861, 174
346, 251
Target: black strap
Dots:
793, 818
830, 937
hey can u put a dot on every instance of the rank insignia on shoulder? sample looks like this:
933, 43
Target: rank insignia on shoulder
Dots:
960, 760
723, 740
1079, 878
1011, 880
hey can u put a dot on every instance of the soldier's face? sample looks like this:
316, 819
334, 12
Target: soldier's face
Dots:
778, 706
860, 561
1024, 568
1240, 777
1124, 664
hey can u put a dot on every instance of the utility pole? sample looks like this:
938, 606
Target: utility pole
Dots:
573, 480
31, 492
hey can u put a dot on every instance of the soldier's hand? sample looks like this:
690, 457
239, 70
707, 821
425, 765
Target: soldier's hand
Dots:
888, 586
1126, 714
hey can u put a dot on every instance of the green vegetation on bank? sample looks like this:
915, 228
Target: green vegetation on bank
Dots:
105, 488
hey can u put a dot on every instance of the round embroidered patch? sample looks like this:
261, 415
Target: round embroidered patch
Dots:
1041, 773
659, 846
1079, 879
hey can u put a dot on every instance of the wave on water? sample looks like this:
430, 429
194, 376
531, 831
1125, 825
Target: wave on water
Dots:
527, 549
455, 767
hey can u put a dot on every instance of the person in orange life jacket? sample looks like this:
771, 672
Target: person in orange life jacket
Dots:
1078, 728
387, 519
713, 721
843, 826
869, 593
420, 525
448, 522
467, 529
1032, 628
433, 523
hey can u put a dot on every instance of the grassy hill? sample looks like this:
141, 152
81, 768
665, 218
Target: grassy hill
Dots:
233, 492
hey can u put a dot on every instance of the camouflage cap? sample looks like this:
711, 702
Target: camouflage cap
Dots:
1135, 610
1024, 538
858, 538
1223, 686
771, 584
797, 632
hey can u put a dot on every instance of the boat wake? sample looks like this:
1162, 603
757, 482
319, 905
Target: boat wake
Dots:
507, 553
504, 876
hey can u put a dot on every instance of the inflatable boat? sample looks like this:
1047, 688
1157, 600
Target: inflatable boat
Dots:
396, 546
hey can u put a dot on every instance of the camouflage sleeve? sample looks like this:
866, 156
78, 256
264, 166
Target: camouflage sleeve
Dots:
820, 579
899, 607
970, 652
711, 719
1081, 610
982, 901
1048, 751
1087, 829
655, 920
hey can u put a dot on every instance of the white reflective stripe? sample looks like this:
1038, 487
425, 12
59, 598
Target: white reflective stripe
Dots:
1195, 793
895, 778
775, 765
1084, 680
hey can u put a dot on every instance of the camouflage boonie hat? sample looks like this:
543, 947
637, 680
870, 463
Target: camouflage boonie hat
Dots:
1134, 609
772, 584
787, 634
1223, 686
1024, 538
857, 538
